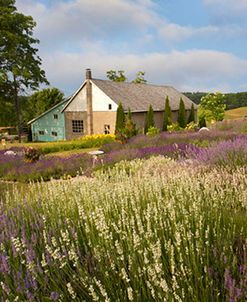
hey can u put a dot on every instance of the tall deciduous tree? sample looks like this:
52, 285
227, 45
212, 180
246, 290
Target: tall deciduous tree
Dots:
149, 122
20, 66
167, 115
41, 101
213, 107
116, 76
120, 119
181, 114
140, 78
119, 76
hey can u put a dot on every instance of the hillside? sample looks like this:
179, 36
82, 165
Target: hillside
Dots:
236, 113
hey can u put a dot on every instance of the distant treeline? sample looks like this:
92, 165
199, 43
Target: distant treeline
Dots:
232, 100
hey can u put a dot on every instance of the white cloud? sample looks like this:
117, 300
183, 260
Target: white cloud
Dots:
76, 20
194, 69
109, 34
176, 32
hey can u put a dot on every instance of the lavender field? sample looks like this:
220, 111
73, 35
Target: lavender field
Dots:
163, 223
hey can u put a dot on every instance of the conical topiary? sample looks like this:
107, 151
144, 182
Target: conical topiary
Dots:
149, 119
192, 114
181, 114
120, 119
167, 115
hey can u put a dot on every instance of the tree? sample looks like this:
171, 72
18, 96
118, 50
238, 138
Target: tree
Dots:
140, 78
41, 101
20, 66
116, 76
192, 114
181, 114
119, 76
120, 119
167, 115
149, 122
213, 106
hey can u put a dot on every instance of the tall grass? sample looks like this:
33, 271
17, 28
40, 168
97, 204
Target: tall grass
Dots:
146, 230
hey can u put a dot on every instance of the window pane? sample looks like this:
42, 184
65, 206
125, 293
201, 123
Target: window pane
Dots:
77, 126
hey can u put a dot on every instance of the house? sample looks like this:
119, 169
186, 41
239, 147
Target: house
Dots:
92, 108
50, 125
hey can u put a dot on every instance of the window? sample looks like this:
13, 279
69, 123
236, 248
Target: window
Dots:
55, 116
107, 129
41, 132
109, 106
54, 133
77, 126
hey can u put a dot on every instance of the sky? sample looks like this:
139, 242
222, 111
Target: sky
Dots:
192, 45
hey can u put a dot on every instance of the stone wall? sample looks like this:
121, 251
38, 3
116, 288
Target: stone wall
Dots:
100, 119
69, 117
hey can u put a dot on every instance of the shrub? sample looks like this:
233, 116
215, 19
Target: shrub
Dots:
152, 131
32, 155
191, 126
87, 141
202, 121
174, 127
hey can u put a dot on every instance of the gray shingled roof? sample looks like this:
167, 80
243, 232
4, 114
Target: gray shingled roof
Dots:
138, 97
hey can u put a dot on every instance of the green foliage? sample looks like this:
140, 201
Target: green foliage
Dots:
119, 76
130, 127
195, 96
235, 100
192, 114
120, 119
7, 112
152, 131
20, 66
181, 114
167, 115
173, 127
41, 101
202, 120
191, 126
128, 130
213, 106
140, 78
116, 76
149, 122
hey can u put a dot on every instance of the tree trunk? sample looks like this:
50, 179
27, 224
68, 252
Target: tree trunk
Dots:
17, 108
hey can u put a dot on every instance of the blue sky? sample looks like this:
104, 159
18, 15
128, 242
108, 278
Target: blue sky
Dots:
192, 45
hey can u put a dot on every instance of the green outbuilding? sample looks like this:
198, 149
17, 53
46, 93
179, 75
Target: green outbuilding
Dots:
50, 125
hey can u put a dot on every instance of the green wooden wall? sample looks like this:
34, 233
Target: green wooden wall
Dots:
50, 126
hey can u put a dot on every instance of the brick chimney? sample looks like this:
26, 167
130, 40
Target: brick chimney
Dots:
88, 74
89, 102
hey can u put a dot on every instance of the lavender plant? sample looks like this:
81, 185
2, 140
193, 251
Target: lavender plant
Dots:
146, 230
